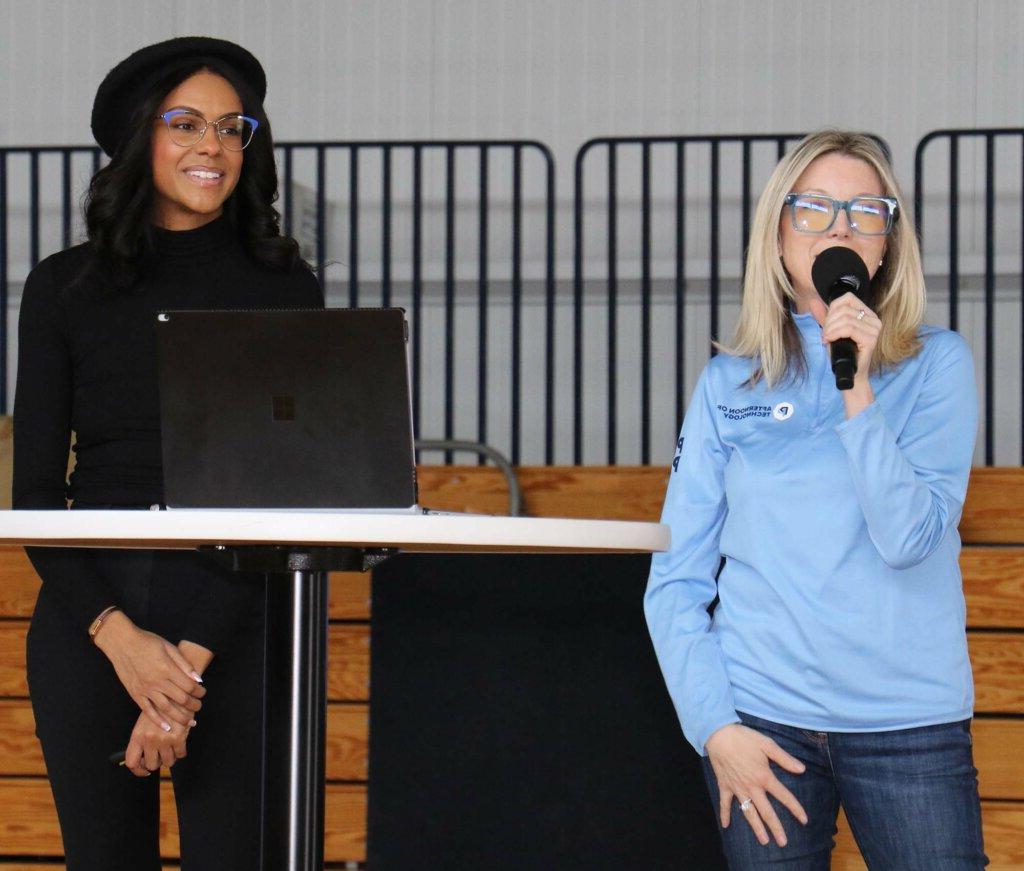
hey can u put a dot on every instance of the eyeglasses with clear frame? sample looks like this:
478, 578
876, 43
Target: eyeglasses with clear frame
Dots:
187, 127
867, 216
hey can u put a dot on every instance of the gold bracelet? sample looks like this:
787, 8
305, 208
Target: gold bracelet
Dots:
97, 624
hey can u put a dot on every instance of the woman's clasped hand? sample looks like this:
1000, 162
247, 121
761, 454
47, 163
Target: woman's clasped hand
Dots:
150, 746
741, 760
160, 680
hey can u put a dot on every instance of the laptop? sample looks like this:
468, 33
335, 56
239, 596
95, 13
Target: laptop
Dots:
305, 409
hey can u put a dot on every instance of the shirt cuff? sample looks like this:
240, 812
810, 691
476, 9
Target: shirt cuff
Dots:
863, 419
700, 740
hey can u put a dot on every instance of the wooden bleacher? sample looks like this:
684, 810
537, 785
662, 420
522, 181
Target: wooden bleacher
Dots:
993, 568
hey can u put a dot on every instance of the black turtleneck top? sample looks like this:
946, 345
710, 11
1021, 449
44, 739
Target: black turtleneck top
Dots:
87, 364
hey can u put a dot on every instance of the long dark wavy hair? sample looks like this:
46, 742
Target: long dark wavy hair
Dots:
119, 202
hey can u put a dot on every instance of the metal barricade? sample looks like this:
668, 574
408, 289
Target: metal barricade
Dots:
980, 222
509, 201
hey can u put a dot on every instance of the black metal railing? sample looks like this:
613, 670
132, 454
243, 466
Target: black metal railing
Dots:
482, 202
504, 171
680, 148
461, 233
949, 196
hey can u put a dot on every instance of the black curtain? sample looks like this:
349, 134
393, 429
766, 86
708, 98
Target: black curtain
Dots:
519, 720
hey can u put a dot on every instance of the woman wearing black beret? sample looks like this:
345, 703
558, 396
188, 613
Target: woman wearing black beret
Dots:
131, 650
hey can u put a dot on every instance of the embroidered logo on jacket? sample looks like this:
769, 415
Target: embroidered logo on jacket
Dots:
782, 411
745, 412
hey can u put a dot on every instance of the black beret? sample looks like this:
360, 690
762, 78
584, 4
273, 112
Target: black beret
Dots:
132, 76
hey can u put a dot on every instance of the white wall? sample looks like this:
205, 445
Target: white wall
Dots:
558, 70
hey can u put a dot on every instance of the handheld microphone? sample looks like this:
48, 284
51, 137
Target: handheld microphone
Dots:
838, 270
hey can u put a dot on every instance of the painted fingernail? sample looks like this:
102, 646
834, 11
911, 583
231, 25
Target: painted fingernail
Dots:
166, 727
192, 723
197, 677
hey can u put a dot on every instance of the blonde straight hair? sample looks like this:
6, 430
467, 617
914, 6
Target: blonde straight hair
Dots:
765, 331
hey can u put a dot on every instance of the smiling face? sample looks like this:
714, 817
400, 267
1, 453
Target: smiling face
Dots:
842, 177
191, 184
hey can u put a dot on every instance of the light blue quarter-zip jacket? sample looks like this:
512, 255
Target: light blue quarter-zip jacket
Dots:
841, 605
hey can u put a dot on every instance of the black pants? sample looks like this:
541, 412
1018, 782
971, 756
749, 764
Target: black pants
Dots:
109, 818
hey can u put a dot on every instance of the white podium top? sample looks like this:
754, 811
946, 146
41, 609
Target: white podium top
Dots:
187, 529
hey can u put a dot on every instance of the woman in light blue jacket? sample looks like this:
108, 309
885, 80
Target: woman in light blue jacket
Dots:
834, 668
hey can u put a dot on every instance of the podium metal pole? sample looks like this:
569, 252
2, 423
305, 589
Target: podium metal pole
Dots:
296, 698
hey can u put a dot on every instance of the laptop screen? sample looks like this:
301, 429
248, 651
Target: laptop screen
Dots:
286, 409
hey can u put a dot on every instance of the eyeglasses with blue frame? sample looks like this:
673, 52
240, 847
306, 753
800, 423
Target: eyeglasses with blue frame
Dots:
187, 127
867, 216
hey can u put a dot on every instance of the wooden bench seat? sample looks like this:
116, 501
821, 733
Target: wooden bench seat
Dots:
992, 563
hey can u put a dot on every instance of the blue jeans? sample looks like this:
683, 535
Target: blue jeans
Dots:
910, 795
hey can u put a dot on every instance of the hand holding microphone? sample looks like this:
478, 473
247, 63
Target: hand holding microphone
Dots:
852, 329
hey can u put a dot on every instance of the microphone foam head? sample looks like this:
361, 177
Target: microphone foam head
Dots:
838, 266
